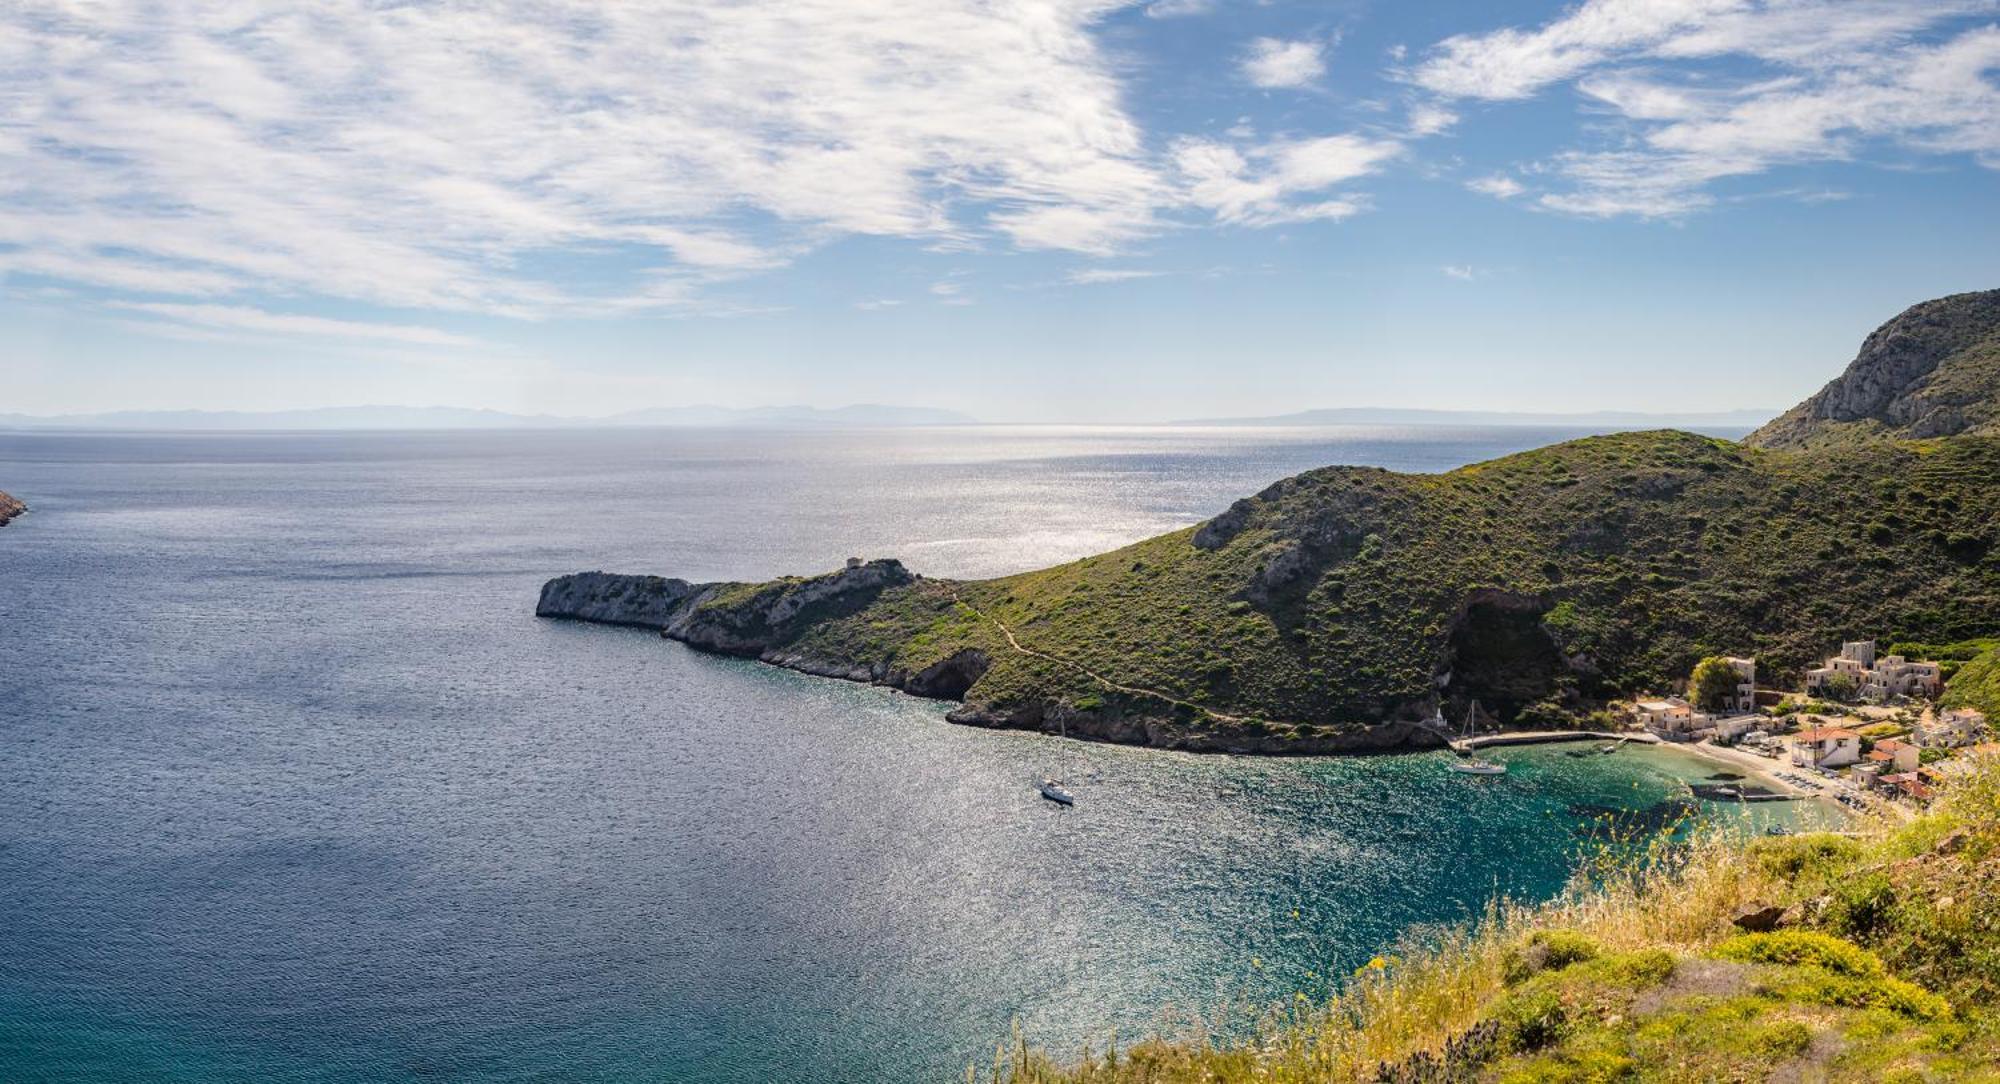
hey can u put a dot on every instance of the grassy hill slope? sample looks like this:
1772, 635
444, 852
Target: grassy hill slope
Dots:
1337, 607
1537, 583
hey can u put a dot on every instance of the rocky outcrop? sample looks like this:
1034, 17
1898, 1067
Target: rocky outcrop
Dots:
649, 602
9, 508
1933, 371
753, 619
759, 621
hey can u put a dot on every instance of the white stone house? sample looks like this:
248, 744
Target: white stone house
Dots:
1824, 747
1736, 727
1670, 717
1877, 678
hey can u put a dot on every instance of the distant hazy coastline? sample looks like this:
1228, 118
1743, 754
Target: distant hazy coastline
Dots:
855, 416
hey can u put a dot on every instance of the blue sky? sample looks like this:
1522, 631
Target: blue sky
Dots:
1070, 210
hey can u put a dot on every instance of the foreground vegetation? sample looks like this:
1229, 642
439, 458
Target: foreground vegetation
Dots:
1874, 956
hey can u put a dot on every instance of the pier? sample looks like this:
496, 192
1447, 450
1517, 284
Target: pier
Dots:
1543, 737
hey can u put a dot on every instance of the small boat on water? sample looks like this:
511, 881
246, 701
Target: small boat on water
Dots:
1777, 830
1469, 762
1054, 792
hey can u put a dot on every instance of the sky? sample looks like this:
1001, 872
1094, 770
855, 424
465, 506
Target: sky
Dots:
1027, 210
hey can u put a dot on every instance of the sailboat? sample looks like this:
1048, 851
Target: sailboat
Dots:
1055, 792
1470, 763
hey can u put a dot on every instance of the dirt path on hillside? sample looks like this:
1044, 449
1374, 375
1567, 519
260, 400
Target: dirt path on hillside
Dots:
1131, 690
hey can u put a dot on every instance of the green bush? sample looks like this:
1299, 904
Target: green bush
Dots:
1782, 1041
1531, 1019
1791, 857
1801, 947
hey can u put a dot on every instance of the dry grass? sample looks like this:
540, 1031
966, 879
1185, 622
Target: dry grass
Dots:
1673, 894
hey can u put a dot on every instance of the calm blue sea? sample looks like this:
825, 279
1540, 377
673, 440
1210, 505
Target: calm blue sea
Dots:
294, 787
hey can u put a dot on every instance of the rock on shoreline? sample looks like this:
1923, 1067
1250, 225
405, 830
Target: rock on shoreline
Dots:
9, 508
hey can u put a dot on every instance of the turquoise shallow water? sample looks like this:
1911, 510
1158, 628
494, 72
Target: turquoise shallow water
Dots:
294, 787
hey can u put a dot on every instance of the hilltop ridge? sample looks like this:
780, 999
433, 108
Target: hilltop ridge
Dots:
1338, 609
1933, 371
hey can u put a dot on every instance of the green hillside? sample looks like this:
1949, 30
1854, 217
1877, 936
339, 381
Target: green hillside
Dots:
1339, 601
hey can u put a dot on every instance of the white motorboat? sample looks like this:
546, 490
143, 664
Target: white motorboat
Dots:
1054, 792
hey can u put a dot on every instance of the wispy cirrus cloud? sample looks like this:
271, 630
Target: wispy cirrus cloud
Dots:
1706, 90
1282, 181
473, 157
1094, 276
246, 318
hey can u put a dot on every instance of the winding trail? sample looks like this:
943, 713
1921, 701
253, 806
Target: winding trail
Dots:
1132, 690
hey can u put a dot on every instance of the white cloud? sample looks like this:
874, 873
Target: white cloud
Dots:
432, 155
242, 318
1275, 63
1174, 9
1811, 81
877, 304
1499, 186
1461, 272
1431, 119
1091, 276
1515, 63
1279, 182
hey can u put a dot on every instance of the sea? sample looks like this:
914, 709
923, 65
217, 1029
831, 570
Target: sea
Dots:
294, 786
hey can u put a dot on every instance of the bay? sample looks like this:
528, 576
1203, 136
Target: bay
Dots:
294, 787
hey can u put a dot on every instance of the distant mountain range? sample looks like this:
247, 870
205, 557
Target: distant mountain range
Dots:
436, 417
1596, 419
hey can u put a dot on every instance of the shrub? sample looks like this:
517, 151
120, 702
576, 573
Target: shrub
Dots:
1790, 857
1532, 1019
1712, 682
1801, 947
1566, 947
1861, 906
1783, 1041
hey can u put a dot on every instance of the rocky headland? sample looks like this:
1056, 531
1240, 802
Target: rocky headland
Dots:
1339, 610
9, 508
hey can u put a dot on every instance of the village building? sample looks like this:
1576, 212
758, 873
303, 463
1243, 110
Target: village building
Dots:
1736, 727
1895, 756
1907, 785
1671, 718
1824, 747
1952, 729
1876, 678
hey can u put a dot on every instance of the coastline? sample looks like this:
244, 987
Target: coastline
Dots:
1762, 769
1765, 771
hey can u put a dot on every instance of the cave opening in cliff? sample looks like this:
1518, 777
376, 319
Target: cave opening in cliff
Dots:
1501, 654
